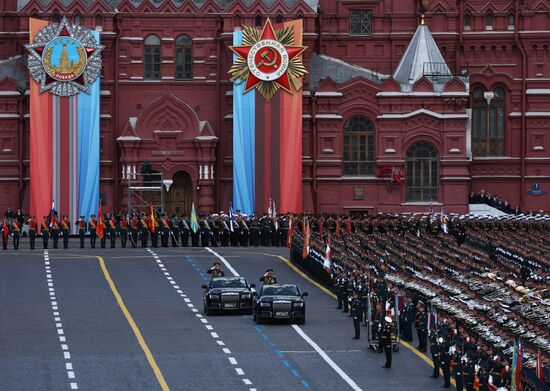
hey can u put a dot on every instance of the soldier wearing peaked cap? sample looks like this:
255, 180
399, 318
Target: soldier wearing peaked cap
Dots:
65, 230
45, 231
123, 227
268, 278
33, 226
93, 230
385, 341
82, 225
421, 321
16, 233
216, 270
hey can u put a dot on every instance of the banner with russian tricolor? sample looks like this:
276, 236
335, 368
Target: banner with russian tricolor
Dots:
65, 63
267, 117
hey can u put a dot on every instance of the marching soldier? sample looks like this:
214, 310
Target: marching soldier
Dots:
164, 230
45, 230
356, 313
65, 230
469, 372
111, 229
216, 270
81, 223
123, 227
385, 341
134, 223
144, 230
268, 278
33, 227
16, 232
55, 231
93, 230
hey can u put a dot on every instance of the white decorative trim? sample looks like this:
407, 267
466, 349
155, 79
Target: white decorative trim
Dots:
423, 111
389, 150
9, 93
495, 158
156, 131
105, 93
169, 39
328, 116
136, 62
132, 38
422, 94
515, 114
454, 150
496, 176
136, 78
433, 203
329, 94
537, 114
537, 91
328, 150
167, 62
128, 138
105, 116
455, 178
11, 116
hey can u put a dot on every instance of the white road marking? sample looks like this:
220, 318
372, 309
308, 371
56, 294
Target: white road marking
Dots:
302, 334
58, 325
204, 321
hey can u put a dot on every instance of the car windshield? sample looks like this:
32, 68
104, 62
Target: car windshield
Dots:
287, 290
228, 283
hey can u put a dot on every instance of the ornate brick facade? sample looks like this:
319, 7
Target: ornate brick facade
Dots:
184, 127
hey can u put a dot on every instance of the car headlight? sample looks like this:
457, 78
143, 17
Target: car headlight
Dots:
298, 304
245, 296
265, 304
213, 296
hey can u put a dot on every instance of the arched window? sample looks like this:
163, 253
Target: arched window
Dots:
77, 19
184, 58
359, 146
467, 22
488, 122
511, 22
152, 58
422, 172
489, 22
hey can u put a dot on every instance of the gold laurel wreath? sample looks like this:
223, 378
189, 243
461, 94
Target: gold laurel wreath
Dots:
295, 70
81, 61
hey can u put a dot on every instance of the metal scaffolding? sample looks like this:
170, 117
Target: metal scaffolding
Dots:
145, 189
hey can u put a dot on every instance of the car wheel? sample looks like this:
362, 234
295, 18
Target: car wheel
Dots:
249, 312
259, 320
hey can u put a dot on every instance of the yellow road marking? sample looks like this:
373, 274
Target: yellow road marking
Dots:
135, 329
417, 352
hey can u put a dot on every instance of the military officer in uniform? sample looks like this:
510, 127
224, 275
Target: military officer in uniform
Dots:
268, 278
16, 233
469, 372
385, 340
216, 270
33, 226
164, 230
123, 227
458, 367
175, 229
5, 233
93, 230
254, 232
111, 229
65, 230
420, 324
434, 350
154, 232
82, 224
55, 233
184, 231
342, 293
45, 230
356, 313
445, 359
134, 224
144, 230
408, 319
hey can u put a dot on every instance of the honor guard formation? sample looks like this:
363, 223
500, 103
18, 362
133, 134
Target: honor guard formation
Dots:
468, 292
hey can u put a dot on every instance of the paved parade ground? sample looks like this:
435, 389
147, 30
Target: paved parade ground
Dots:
132, 319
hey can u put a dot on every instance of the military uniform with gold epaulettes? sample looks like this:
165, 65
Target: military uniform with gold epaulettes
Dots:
123, 227
45, 231
93, 232
55, 234
82, 225
112, 230
65, 231
33, 226
16, 232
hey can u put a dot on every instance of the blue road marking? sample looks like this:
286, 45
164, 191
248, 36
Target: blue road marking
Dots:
279, 354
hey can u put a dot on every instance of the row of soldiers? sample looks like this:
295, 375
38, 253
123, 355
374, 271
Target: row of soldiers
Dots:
138, 229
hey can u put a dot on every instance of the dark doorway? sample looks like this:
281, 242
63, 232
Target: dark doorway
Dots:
178, 199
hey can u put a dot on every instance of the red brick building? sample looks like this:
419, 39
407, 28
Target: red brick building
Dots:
461, 106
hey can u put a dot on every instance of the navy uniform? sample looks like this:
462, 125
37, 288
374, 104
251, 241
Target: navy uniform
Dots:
184, 232
356, 313
445, 360
434, 350
216, 270
268, 278
469, 374
408, 319
421, 320
5, 234
175, 229
458, 369
254, 232
364, 294
385, 341
341, 293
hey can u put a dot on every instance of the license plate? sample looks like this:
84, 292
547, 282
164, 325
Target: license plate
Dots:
281, 313
231, 305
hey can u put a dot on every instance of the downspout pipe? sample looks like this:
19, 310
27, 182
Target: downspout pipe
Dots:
523, 142
20, 149
314, 152
219, 157
116, 167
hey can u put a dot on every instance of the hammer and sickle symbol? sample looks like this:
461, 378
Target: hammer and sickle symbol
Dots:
268, 61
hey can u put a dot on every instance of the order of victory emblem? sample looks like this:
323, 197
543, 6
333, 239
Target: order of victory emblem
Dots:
268, 60
64, 59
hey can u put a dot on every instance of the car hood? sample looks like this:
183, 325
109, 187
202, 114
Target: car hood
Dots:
286, 298
219, 291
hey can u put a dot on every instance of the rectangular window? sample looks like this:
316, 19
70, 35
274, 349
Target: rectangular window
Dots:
360, 22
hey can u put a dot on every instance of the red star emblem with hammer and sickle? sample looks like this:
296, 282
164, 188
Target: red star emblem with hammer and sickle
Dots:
268, 59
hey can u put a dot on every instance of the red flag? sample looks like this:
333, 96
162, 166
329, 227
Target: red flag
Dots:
321, 228
539, 371
151, 218
396, 176
305, 251
349, 224
290, 232
100, 223
338, 233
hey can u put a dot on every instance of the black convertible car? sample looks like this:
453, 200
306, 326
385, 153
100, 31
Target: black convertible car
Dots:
280, 301
228, 294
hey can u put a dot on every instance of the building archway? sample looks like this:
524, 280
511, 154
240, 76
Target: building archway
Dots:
179, 197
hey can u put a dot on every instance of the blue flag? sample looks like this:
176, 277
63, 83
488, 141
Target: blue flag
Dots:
194, 222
